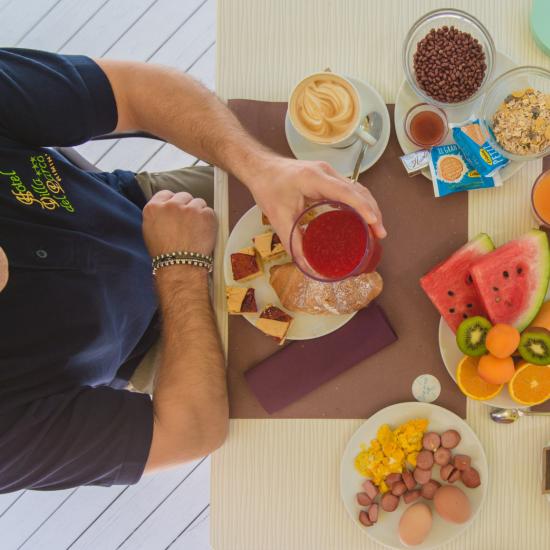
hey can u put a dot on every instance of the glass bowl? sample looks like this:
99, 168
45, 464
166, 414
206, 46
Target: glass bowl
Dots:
463, 22
421, 108
513, 80
368, 261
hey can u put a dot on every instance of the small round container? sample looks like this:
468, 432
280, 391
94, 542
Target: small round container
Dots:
435, 20
368, 262
542, 180
417, 110
511, 81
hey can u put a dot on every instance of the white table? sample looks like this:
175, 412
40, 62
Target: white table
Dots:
275, 482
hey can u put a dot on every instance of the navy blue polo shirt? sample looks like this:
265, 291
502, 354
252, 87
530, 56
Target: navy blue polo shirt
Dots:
78, 310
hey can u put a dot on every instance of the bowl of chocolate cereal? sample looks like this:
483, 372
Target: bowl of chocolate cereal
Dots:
448, 58
515, 113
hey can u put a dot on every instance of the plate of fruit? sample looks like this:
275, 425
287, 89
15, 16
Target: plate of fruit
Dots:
413, 475
494, 333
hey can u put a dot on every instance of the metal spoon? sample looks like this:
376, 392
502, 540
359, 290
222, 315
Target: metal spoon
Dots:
509, 416
372, 123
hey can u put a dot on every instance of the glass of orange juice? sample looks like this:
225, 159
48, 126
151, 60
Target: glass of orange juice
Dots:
540, 198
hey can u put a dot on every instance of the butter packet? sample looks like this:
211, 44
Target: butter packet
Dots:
480, 154
451, 172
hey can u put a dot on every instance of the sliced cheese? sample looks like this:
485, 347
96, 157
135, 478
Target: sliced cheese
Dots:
235, 296
277, 329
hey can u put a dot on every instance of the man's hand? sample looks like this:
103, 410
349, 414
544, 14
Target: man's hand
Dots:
177, 221
284, 186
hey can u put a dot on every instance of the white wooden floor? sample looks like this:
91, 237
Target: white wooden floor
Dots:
169, 510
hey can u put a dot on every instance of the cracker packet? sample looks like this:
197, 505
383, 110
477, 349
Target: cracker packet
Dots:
451, 172
480, 154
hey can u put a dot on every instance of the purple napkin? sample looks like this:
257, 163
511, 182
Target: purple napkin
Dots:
302, 366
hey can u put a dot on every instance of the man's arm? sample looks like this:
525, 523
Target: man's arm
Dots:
190, 396
172, 105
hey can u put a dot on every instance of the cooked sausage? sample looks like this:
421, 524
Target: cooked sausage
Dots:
398, 488
422, 476
408, 480
431, 441
442, 456
455, 476
462, 462
425, 459
373, 512
428, 490
392, 478
450, 439
364, 518
389, 502
363, 499
411, 496
470, 478
446, 471
370, 489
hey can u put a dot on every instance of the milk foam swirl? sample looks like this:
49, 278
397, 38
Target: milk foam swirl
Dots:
325, 107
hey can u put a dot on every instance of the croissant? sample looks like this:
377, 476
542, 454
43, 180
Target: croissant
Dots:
300, 293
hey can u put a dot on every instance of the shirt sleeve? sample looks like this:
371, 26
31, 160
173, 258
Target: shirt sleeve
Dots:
53, 100
90, 436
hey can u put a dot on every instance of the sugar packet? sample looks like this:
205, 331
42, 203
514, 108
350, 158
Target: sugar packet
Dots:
451, 172
479, 153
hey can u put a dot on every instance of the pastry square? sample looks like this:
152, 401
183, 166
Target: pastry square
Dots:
268, 246
240, 300
275, 323
246, 265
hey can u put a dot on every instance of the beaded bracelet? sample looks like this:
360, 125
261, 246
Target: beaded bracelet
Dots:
183, 258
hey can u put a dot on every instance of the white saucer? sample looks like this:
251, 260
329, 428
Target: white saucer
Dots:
343, 160
407, 98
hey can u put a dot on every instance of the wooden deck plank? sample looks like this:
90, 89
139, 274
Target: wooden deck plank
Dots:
28, 513
72, 518
106, 27
195, 536
142, 40
16, 22
167, 521
65, 19
113, 525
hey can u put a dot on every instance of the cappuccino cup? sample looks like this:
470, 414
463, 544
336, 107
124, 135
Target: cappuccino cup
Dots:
325, 108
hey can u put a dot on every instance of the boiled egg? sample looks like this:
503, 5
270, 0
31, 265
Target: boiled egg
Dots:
415, 524
452, 504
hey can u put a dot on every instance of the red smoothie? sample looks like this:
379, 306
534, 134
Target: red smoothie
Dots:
335, 242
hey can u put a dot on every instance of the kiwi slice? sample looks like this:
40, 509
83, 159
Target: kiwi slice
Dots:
534, 346
471, 334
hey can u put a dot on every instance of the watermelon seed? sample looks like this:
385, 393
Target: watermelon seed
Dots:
465, 316
519, 270
505, 274
495, 288
469, 305
497, 299
450, 293
452, 310
469, 280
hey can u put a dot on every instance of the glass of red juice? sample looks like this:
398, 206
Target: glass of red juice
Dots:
330, 242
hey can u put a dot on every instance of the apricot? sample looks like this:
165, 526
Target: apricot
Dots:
502, 340
496, 370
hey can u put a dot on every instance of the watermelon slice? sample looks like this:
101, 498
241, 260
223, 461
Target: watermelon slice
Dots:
512, 281
449, 285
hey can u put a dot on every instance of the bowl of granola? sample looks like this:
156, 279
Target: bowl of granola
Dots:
515, 113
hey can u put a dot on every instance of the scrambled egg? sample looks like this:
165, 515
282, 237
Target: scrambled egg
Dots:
391, 451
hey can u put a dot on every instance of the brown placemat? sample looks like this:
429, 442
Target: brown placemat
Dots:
422, 230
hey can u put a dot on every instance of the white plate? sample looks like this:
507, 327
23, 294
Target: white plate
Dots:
304, 326
451, 355
343, 160
385, 531
407, 98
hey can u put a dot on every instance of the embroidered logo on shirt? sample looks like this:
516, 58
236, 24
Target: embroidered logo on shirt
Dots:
45, 191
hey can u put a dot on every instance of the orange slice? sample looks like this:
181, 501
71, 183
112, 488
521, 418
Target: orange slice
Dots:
471, 384
530, 385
